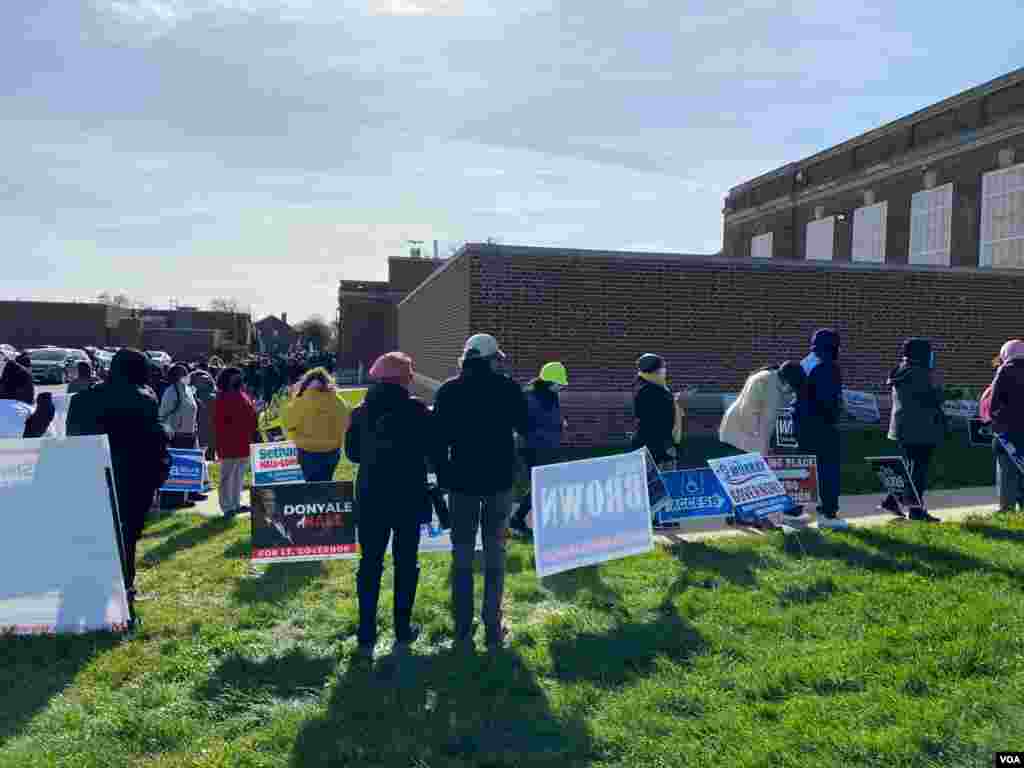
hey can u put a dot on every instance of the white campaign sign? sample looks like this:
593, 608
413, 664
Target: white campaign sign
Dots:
60, 567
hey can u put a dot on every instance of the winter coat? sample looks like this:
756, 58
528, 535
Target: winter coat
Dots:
1008, 398
316, 421
478, 412
750, 421
917, 417
13, 416
655, 412
544, 421
205, 393
391, 437
234, 422
179, 410
80, 385
819, 402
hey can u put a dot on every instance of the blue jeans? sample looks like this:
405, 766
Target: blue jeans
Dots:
318, 467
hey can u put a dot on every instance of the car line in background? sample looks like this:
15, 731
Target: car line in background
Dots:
52, 365
159, 357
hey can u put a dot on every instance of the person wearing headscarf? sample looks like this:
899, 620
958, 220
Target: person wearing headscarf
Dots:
125, 409
543, 438
179, 413
816, 419
22, 414
917, 422
392, 438
660, 418
1007, 411
234, 424
750, 421
316, 421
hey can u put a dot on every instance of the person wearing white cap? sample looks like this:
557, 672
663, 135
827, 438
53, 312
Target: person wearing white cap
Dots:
477, 414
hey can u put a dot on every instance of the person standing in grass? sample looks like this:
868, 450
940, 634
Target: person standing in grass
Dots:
392, 438
543, 435
1007, 412
917, 422
661, 420
316, 420
179, 413
234, 424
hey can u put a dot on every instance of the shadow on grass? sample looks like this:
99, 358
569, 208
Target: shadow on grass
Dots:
193, 536
994, 532
627, 651
586, 583
737, 567
442, 710
174, 527
34, 669
817, 592
238, 681
278, 582
241, 549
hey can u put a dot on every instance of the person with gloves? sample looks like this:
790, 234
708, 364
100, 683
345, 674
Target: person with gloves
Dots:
749, 423
1007, 411
917, 421
478, 414
661, 420
22, 414
543, 435
816, 420
392, 438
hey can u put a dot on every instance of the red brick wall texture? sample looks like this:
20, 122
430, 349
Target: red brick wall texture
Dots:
715, 320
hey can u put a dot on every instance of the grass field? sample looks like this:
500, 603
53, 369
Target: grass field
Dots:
888, 647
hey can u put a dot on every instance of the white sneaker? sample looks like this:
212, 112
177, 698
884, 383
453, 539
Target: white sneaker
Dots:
833, 523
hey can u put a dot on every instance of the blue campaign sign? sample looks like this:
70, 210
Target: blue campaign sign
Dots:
693, 493
751, 485
188, 468
591, 511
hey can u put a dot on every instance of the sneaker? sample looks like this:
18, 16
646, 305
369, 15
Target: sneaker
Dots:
921, 516
402, 646
833, 523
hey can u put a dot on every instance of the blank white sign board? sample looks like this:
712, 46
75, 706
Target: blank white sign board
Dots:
60, 567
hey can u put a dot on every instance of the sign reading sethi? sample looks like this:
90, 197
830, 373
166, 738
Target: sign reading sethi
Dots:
275, 464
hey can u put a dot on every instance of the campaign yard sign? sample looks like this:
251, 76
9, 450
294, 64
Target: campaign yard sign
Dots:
275, 464
799, 476
188, 470
693, 494
751, 485
785, 429
861, 406
894, 475
656, 490
590, 511
303, 521
960, 409
979, 432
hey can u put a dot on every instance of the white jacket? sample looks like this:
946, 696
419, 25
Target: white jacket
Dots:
13, 415
179, 418
750, 421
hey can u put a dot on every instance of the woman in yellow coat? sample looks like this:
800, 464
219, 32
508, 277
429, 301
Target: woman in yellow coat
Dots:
316, 421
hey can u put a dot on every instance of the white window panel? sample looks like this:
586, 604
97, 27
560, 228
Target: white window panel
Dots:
821, 236
869, 233
931, 216
761, 246
1002, 218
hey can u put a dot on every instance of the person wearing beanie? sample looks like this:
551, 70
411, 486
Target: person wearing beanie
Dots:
816, 419
1007, 412
316, 421
22, 414
478, 414
392, 437
543, 438
917, 421
660, 418
749, 423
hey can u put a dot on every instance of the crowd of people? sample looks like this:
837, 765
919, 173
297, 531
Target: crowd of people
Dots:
476, 438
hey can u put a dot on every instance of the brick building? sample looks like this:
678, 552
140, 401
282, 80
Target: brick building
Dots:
367, 311
25, 324
276, 337
943, 187
235, 335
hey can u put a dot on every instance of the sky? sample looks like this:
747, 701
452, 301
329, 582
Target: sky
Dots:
262, 150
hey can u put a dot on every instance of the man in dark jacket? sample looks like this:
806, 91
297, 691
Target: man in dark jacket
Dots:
816, 418
478, 414
917, 422
1008, 421
125, 409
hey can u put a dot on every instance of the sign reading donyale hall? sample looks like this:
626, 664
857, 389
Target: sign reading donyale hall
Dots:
591, 511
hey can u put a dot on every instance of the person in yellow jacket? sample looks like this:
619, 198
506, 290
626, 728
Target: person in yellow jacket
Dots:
316, 421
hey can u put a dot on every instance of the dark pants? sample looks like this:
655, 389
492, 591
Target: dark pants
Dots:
824, 444
470, 513
318, 467
533, 458
374, 533
918, 458
132, 507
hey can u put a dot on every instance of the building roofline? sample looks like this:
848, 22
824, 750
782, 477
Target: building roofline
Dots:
984, 89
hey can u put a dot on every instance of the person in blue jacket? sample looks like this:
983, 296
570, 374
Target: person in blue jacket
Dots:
816, 417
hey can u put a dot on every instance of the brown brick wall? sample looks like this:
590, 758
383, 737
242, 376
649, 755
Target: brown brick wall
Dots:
183, 344
434, 320
62, 324
368, 330
404, 274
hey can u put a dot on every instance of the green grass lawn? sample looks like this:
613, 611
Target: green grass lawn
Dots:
895, 646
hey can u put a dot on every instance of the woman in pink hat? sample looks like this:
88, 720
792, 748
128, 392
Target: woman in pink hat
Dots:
1006, 408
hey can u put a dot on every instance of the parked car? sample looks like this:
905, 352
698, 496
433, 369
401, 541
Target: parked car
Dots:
161, 358
102, 359
52, 365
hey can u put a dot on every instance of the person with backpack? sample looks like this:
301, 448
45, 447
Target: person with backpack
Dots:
392, 438
543, 436
917, 422
234, 424
125, 409
316, 421
179, 413
1007, 412
479, 413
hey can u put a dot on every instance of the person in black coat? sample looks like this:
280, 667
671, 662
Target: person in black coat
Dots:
659, 416
125, 409
391, 437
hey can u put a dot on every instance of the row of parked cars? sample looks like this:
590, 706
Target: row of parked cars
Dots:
59, 365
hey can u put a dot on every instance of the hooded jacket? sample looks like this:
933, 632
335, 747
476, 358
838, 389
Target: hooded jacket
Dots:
819, 402
317, 420
1008, 398
750, 421
544, 414
478, 412
917, 417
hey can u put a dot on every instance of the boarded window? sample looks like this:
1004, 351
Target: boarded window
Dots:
761, 246
821, 237
931, 215
1002, 218
869, 233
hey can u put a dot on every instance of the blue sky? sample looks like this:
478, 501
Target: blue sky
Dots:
264, 149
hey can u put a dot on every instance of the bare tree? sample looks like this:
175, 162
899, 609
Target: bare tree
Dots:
122, 300
224, 304
315, 329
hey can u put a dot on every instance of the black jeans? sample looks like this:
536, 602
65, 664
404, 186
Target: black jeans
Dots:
918, 458
375, 531
824, 444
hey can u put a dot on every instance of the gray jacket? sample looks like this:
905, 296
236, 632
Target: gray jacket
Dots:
917, 417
